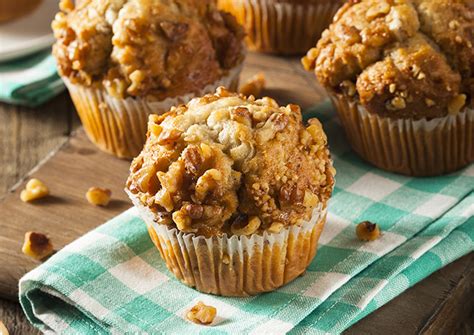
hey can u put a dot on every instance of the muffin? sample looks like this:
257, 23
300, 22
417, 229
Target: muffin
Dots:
400, 74
282, 26
234, 192
123, 60
13, 9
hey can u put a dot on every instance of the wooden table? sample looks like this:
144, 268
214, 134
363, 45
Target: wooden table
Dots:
443, 303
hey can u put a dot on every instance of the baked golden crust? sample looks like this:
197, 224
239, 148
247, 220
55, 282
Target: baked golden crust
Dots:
229, 164
146, 48
399, 58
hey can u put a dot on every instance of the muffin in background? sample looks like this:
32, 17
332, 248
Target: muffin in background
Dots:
123, 60
400, 74
234, 192
13, 9
286, 27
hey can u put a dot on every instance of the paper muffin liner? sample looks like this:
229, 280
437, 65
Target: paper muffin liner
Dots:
410, 147
236, 265
275, 26
12, 9
118, 126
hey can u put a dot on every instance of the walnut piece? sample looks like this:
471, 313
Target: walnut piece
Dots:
35, 189
37, 245
98, 196
249, 228
202, 314
367, 231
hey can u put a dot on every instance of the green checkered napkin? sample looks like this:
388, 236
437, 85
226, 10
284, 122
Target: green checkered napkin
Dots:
112, 280
30, 81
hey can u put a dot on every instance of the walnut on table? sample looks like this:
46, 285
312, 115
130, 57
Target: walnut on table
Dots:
98, 196
37, 245
201, 314
35, 189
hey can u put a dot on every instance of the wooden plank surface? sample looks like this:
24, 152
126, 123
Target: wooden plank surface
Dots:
28, 135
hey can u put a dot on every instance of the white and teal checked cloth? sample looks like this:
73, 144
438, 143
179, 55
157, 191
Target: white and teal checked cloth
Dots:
113, 280
30, 81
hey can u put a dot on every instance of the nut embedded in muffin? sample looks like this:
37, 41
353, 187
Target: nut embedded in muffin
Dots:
397, 62
123, 60
231, 178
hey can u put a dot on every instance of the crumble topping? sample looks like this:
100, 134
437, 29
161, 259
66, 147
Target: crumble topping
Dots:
225, 163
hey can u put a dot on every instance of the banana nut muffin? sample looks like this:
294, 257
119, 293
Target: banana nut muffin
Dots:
152, 48
125, 59
233, 191
224, 160
401, 59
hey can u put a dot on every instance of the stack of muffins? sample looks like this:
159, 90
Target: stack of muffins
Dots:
234, 190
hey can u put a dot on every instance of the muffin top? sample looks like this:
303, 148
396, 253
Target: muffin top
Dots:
229, 164
146, 48
400, 58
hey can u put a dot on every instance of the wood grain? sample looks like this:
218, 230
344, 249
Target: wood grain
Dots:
441, 304
27, 136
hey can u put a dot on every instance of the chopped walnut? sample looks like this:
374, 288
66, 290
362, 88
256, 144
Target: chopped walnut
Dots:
380, 9
35, 189
254, 86
392, 88
207, 182
98, 196
241, 115
37, 245
429, 102
453, 24
398, 103
349, 88
367, 231
169, 136
66, 5
202, 314
457, 104
242, 227
173, 30
276, 227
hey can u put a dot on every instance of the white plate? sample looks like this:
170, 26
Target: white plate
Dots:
29, 33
